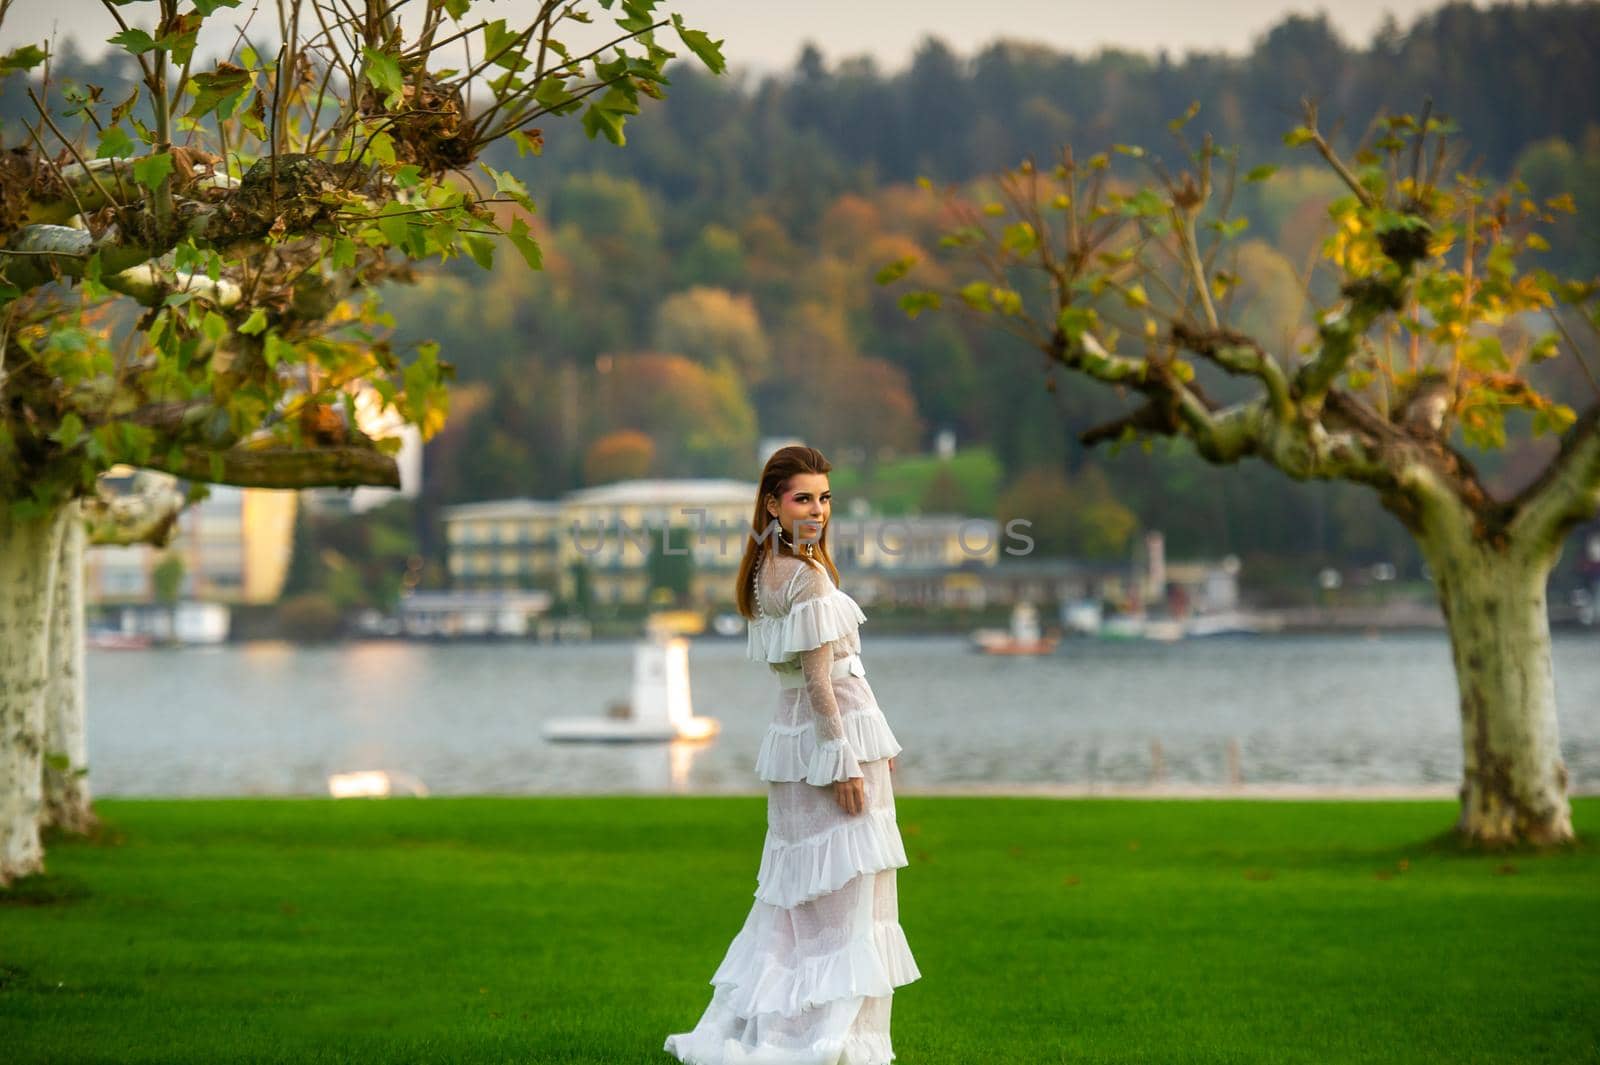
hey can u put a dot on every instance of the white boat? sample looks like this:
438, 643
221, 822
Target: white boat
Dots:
1083, 617
1139, 627
659, 708
1195, 626
1023, 638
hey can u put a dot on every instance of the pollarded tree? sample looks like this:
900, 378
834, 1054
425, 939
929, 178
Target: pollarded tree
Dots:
1438, 337
186, 275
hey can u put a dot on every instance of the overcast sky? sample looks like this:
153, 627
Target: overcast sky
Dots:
766, 35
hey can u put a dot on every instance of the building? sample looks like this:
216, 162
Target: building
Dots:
507, 543
936, 541
608, 534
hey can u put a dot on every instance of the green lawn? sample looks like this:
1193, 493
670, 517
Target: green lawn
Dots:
584, 930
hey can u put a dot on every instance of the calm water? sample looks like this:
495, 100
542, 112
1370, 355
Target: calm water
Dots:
272, 718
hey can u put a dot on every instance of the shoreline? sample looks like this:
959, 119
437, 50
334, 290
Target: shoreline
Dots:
1247, 792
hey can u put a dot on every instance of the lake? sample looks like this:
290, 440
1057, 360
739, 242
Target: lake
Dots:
1316, 711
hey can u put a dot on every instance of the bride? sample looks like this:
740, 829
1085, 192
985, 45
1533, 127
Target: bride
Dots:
810, 977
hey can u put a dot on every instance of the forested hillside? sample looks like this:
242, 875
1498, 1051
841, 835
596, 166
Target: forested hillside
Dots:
712, 284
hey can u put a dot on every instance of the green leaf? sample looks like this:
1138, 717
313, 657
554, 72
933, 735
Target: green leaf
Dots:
186, 257
552, 95
500, 42
1261, 173
976, 295
213, 87
1183, 120
277, 350
90, 283
896, 270
1019, 238
1145, 203
481, 249
1501, 261
600, 120
134, 41
213, 326
255, 323
1485, 354
1231, 228
206, 7
525, 244
25, 58
457, 8
1298, 136
343, 255
914, 303
507, 184
152, 170
381, 145
69, 432
383, 71
114, 144
610, 112
708, 51
1074, 322
1006, 300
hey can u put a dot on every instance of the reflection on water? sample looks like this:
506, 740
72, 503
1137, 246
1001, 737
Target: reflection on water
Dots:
272, 718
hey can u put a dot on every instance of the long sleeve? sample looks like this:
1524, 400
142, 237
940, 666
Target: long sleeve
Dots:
833, 759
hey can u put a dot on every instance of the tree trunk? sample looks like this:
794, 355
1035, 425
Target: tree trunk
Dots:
29, 554
1514, 783
66, 770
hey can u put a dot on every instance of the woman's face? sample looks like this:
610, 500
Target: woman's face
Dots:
804, 507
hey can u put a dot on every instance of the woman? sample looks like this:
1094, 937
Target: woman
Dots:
809, 978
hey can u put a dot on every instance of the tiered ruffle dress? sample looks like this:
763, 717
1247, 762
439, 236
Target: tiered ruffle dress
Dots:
810, 977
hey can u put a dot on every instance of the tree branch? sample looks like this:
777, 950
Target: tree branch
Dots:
142, 517
1222, 437
150, 286
1238, 354
333, 467
39, 254
1566, 494
1341, 332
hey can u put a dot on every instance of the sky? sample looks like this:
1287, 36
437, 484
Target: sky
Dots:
764, 36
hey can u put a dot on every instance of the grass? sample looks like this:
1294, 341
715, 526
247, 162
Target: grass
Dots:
537, 930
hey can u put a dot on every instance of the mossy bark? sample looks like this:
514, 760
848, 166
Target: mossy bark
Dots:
67, 803
30, 550
1514, 782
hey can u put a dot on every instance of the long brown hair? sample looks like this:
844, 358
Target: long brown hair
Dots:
780, 468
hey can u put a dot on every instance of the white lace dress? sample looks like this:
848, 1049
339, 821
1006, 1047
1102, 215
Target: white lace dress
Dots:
810, 977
